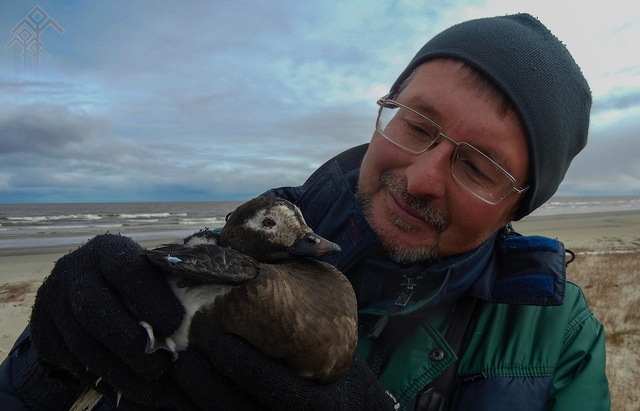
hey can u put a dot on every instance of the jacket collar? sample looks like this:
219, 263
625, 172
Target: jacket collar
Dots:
507, 268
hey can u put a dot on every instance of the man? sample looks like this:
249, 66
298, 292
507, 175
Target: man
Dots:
456, 311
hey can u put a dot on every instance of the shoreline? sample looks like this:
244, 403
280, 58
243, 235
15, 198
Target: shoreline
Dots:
30, 243
62, 249
584, 232
587, 232
24, 268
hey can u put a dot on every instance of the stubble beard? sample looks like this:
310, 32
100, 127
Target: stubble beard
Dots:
396, 249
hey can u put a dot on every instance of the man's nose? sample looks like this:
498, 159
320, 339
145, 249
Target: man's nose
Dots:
430, 172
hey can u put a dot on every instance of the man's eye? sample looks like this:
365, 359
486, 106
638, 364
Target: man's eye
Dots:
473, 170
418, 130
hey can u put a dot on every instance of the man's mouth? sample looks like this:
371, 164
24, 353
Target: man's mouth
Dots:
414, 211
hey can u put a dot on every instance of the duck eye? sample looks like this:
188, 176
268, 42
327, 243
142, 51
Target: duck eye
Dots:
267, 222
227, 217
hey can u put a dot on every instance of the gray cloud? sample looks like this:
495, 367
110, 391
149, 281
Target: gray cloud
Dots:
44, 129
218, 100
622, 101
609, 163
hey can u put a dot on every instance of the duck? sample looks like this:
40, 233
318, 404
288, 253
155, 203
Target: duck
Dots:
259, 278
256, 280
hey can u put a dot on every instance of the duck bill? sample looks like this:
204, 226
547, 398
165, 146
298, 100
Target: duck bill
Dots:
312, 245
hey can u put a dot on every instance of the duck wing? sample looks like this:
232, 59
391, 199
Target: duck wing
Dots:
204, 263
300, 312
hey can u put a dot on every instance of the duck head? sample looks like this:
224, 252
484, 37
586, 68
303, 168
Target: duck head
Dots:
270, 229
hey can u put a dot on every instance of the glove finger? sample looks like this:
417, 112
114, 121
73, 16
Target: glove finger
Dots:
56, 352
114, 327
176, 397
45, 333
61, 339
123, 366
85, 358
51, 347
102, 311
196, 378
103, 363
272, 383
124, 402
281, 389
138, 282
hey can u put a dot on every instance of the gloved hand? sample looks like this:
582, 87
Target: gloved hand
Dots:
241, 378
86, 318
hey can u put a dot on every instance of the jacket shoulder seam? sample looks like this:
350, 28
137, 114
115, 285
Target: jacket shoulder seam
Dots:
578, 320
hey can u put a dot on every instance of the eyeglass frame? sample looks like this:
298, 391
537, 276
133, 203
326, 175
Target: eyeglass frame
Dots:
384, 100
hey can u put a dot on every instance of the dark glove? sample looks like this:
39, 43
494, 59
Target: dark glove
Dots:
241, 378
195, 385
86, 318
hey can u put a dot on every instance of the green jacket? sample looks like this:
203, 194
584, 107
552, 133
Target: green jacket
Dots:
532, 343
516, 357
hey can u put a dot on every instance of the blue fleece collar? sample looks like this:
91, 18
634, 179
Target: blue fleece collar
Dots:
509, 269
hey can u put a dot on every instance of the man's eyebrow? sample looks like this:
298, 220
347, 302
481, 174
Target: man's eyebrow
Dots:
421, 106
499, 158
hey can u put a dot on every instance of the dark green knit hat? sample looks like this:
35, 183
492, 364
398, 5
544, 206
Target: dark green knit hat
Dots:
537, 73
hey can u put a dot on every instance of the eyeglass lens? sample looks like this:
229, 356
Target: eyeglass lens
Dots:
469, 166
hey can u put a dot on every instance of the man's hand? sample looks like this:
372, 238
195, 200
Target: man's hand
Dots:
87, 312
241, 378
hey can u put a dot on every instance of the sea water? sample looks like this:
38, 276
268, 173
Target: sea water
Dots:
591, 204
38, 225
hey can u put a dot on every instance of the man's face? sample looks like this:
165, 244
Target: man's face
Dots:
412, 201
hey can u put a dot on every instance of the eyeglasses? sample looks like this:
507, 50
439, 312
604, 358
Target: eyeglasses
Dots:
471, 168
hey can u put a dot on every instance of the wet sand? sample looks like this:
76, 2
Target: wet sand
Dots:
595, 232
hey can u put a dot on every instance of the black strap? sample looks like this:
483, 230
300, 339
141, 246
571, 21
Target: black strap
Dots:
437, 394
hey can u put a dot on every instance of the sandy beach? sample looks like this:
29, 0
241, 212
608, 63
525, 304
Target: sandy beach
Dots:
604, 231
595, 237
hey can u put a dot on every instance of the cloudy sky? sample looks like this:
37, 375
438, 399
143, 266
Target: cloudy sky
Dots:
213, 100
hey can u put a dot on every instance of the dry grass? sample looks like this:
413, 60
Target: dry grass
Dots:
16, 300
612, 287
18, 292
